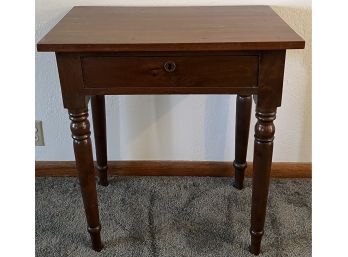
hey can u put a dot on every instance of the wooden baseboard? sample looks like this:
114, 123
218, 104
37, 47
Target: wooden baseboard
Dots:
173, 168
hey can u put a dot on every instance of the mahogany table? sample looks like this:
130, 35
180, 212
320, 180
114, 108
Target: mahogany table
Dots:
172, 50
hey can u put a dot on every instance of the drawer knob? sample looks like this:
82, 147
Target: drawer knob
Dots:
169, 66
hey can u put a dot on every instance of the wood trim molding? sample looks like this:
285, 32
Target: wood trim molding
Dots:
173, 168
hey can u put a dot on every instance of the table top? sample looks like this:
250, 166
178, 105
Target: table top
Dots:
123, 29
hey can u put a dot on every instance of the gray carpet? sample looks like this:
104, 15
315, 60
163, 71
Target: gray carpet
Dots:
172, 217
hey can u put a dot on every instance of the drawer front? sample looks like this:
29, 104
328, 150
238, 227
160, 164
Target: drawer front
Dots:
171, 71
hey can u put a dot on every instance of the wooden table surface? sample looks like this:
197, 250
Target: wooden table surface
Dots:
107, 28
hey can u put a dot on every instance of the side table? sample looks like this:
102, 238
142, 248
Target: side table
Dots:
172, 50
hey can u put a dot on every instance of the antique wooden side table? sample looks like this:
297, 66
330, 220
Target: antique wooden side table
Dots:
172, 50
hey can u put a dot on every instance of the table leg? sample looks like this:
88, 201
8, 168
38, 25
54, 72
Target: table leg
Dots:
263, 149
99, 125
243, 113
80, 129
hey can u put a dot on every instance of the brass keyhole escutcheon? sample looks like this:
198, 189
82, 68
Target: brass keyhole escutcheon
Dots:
169, 66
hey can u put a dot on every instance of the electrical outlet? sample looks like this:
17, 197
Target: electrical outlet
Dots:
39, 140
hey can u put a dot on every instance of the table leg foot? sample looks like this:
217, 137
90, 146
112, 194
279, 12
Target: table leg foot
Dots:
97, 244
239, 170
255, 247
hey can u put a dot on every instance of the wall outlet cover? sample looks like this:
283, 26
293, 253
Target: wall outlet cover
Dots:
39, 139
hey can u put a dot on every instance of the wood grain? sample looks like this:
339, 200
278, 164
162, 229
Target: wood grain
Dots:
173, 168
110, 29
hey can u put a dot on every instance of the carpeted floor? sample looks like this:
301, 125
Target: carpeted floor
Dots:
172, 217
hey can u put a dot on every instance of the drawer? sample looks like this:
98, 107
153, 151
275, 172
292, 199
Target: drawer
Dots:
171, 71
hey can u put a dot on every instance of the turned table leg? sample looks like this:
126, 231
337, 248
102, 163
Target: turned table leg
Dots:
263, 148
80, 129
99, 125
243, 113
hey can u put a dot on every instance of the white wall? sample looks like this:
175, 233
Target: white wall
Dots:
178, 127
